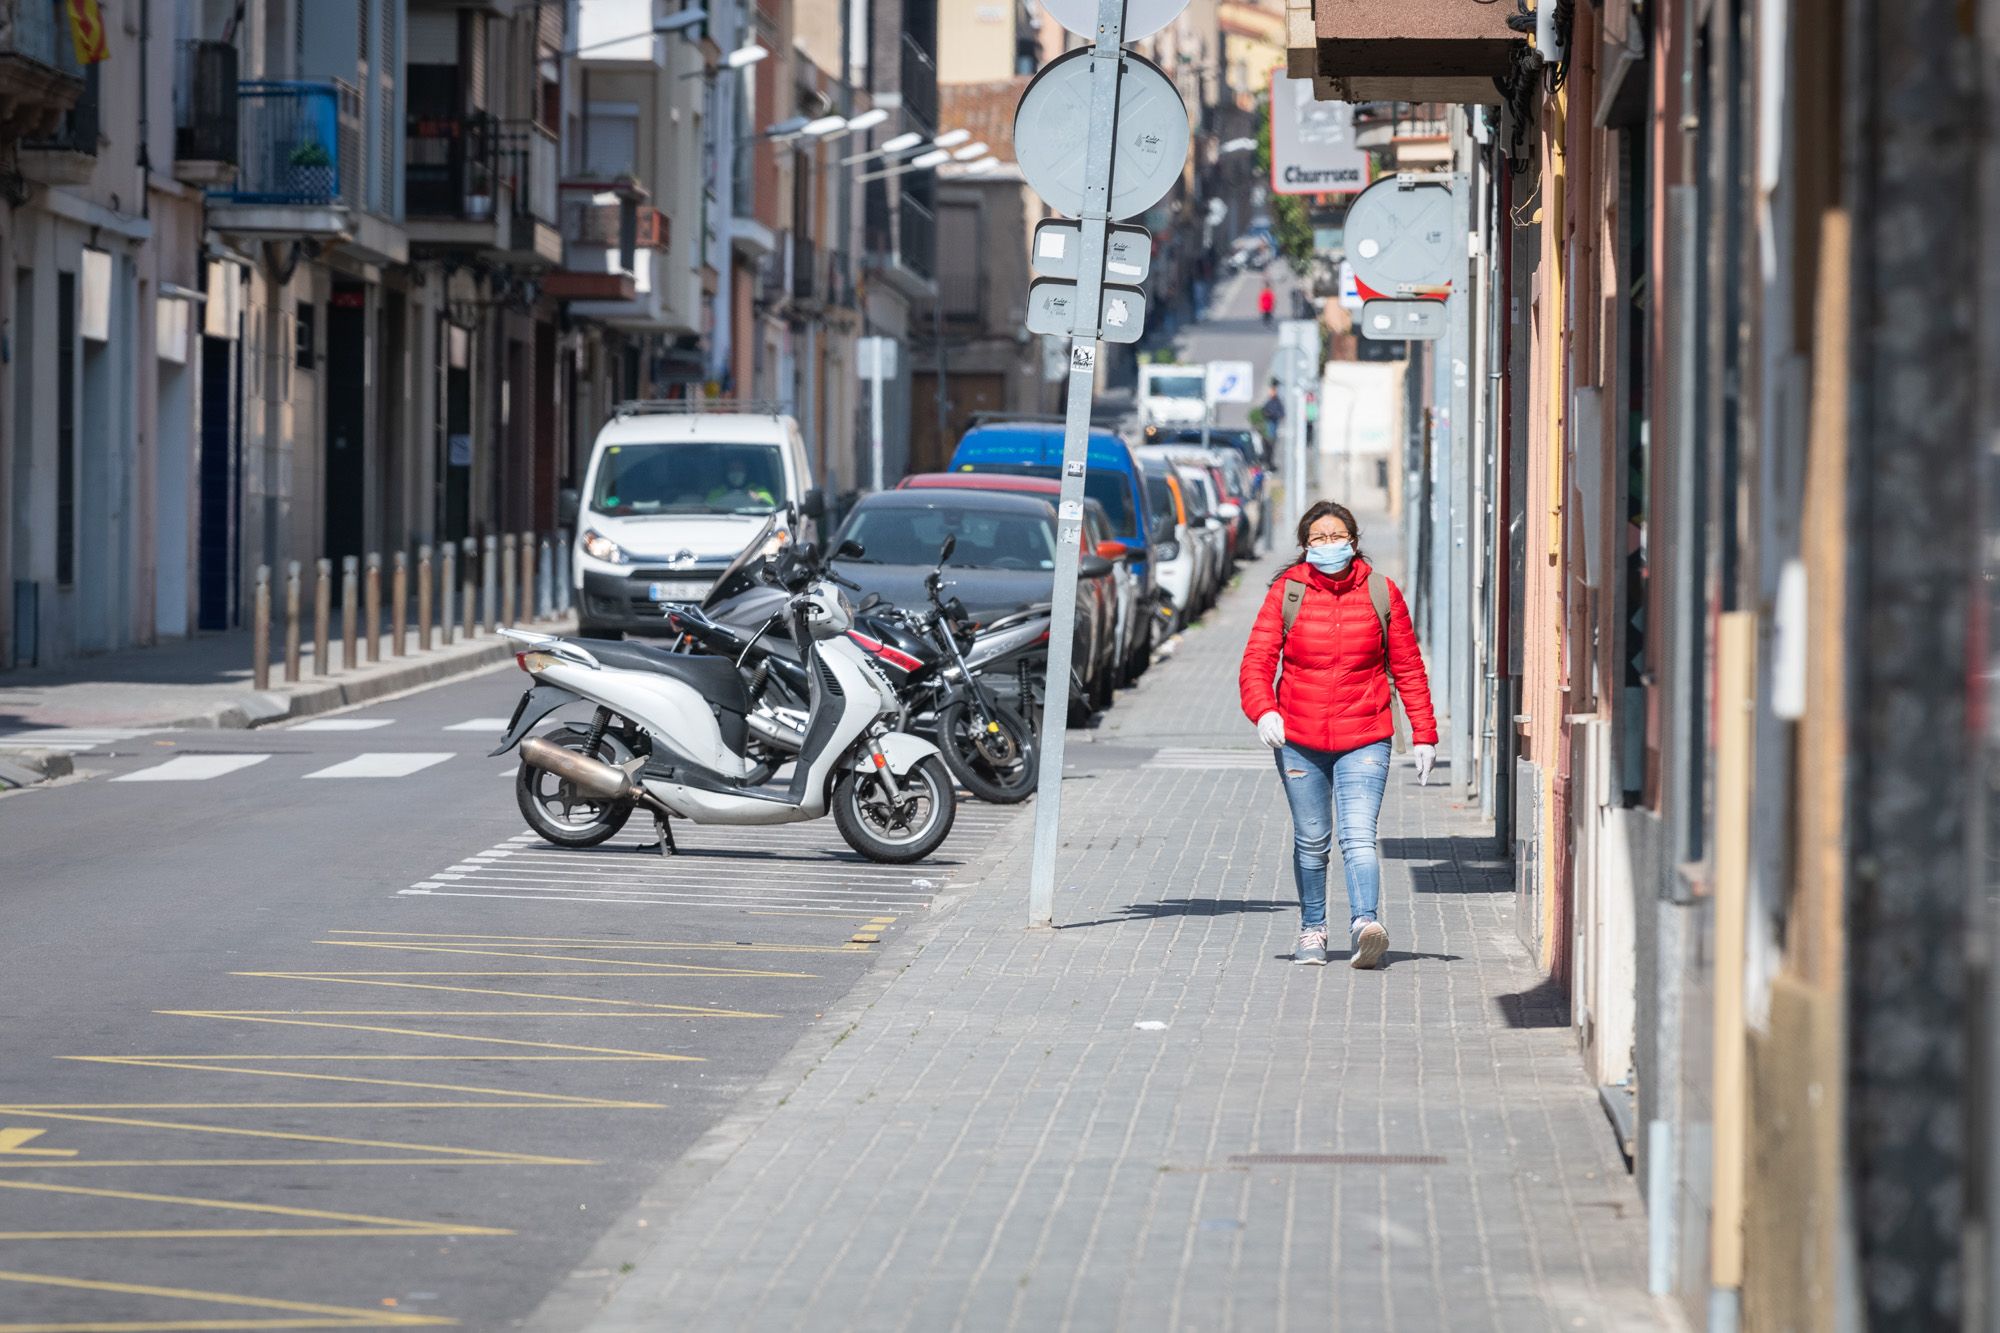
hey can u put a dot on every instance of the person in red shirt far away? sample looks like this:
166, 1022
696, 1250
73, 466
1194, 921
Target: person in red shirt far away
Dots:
1343, 637
1267, 301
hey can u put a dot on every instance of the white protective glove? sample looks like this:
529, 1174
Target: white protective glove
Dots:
1426, 755
1271, 730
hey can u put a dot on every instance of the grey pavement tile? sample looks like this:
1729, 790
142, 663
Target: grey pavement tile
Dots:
995, 1146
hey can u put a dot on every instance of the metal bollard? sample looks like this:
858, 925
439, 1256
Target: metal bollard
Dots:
562, 572
507, 604
292, 622
424, 598
322, 612
545, 602
448, 591
525, 611
489, 584
373, 597
468, 611
399, 603
260, 631
350, 609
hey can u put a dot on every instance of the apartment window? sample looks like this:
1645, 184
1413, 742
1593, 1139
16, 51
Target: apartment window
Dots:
65, 429
611, 139
302, 337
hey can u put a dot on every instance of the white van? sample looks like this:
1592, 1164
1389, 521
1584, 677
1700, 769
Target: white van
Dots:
674, 491
1172, 395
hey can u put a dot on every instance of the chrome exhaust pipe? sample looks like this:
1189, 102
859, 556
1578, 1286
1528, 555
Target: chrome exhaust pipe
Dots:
591, 776
772, 731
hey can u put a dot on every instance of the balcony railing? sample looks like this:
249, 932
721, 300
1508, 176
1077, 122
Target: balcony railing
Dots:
840, 279
205, 112
76, 131
805, 270
918, 83
298, 141
38, 30
477, 168
916, 236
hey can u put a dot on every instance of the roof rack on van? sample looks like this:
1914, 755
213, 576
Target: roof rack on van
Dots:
640, 407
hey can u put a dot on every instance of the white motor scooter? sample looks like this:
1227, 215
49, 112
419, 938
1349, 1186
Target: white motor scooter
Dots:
674, 726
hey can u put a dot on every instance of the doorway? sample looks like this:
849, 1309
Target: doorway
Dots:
346, 387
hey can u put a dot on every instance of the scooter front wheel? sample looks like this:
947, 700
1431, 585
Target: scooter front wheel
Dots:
908, 829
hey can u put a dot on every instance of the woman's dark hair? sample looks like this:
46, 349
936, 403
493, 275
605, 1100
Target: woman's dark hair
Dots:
1322, 509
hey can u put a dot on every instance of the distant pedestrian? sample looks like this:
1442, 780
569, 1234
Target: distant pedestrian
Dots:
1267, 301
1343, 637
1274, 420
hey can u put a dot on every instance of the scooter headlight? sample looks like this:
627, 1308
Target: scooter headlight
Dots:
774, 544
600, 547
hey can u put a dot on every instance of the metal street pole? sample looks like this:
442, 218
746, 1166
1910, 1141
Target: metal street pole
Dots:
1106, 64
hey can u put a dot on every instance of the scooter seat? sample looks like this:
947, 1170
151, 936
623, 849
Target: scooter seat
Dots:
715, 677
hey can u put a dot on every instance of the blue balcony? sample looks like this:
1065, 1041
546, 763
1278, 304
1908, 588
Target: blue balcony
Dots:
289, 135
299, 167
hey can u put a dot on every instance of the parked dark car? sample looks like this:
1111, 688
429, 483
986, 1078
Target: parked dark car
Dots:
1003, 561
1126, 614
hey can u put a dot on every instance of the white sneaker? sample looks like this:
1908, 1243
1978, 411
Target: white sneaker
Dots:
1371, 941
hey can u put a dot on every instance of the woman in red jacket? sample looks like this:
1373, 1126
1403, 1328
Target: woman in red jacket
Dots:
1329, 720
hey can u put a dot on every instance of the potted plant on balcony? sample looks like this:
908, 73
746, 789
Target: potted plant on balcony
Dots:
309, 168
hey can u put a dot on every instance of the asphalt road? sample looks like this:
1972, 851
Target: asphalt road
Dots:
309, 1048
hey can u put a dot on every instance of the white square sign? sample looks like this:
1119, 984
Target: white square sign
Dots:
1231, 381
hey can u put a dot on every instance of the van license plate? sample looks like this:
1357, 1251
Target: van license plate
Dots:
678, 590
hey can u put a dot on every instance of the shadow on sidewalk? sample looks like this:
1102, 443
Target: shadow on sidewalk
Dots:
1482, 852
1544, 1005
1168, 907
1387, 961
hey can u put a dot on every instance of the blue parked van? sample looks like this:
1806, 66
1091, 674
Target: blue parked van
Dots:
1112, 477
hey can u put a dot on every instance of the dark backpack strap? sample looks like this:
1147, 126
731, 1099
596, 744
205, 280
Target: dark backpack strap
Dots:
1295, 597
1378, 593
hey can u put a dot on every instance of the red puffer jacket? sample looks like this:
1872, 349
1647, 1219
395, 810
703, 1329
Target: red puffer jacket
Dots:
1335, 690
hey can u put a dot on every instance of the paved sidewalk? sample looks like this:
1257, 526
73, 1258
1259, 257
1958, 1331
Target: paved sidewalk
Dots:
205, 681
1149, 1119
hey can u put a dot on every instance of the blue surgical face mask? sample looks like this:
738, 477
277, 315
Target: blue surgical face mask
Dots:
1332, 557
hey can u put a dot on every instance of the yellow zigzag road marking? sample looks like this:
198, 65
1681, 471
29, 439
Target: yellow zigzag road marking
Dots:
465, 951
293, 1136
330, 1316
425, 1032
360, 1224
512, 994
590, 942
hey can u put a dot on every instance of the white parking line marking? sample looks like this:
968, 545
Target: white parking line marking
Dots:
381, 765
193, 768
345, 724
497, 724
74, 740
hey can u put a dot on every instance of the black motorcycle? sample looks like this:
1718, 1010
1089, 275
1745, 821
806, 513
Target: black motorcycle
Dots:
934, 658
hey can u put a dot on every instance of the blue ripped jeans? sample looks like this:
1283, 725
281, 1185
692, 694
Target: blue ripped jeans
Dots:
1329, 788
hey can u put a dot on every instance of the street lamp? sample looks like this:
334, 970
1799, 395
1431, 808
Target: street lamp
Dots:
969, 153
869, 119
823, 127
930, 159
952, 138
745, 55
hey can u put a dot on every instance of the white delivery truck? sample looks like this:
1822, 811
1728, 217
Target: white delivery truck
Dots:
1172, 395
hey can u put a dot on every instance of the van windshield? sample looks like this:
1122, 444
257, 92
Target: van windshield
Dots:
704, 478
1175, 386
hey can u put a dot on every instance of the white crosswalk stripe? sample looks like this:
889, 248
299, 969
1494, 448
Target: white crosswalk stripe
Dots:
73, 740
1187, 757
345, 724
384, 764
792, 869
492, 724
193, 768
